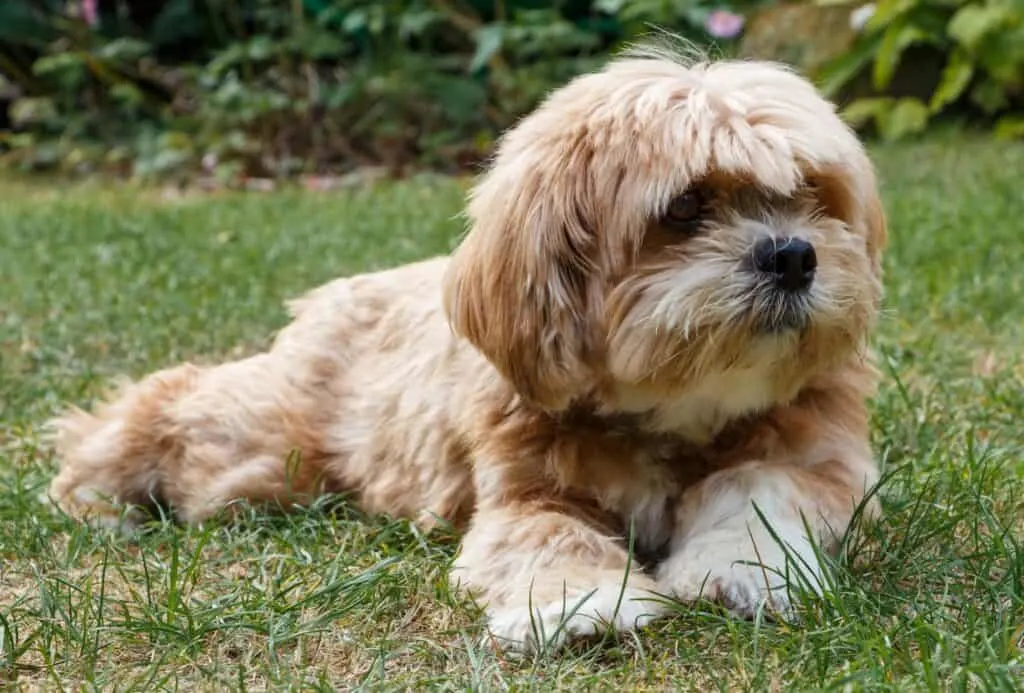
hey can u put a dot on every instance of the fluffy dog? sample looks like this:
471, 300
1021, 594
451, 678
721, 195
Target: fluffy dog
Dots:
655, 328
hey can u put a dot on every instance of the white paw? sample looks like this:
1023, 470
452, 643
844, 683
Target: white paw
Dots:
609, 607
98, 510
715, 568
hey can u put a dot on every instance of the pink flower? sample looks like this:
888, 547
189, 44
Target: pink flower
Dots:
91, 12
724, 24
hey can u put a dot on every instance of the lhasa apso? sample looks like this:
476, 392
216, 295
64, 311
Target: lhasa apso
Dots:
655, 328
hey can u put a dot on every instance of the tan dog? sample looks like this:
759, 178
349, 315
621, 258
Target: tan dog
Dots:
656, 327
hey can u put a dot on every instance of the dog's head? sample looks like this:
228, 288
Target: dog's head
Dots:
657, 226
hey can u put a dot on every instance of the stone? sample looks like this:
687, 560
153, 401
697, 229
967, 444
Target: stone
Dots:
802, 34
808, 36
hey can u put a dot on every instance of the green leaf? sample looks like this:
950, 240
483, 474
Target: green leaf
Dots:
232, 55
461, 99
415, 22
59, 62
887, 11
355, 21
489, 39
124, 50
989, 96
177, 21
837, 73
68, 69
897, 38
1001, 55
31, 110
127, 94
318, 44
21, 24
1010, 127
263, 47
907, 117
862, 111
955, 78
973, 23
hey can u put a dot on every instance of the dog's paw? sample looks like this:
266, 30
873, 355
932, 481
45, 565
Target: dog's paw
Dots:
542, 627
716, 570
96, 509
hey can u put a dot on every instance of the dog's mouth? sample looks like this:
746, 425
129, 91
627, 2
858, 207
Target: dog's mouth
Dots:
783, 271
775, 310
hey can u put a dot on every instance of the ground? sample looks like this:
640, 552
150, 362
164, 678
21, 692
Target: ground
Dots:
100, 279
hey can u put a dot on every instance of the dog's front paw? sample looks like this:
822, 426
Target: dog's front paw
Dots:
539, 627
716, 569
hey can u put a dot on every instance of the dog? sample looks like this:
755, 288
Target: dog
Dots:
652, 340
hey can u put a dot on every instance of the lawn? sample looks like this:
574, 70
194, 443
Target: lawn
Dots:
99, 279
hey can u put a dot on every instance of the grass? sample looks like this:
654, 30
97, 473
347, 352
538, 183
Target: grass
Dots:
99, 280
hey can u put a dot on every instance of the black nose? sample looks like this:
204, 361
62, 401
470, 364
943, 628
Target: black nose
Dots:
790, 261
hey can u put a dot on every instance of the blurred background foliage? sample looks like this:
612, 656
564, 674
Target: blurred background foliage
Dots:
237, 89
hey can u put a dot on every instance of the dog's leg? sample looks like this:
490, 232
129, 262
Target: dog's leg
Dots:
189, 438
547, 576
747, 535
110, 458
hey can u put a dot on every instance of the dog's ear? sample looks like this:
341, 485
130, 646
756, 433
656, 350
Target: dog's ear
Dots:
517, 285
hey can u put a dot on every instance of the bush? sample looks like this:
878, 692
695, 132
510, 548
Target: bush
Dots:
274, 87
979, 43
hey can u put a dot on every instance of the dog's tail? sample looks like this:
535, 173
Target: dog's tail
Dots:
110, 457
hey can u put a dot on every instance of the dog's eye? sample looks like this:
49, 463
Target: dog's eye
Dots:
684, 211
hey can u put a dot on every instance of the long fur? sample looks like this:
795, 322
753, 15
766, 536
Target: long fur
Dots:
577, 371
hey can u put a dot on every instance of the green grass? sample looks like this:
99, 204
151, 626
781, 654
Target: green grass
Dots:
99, 280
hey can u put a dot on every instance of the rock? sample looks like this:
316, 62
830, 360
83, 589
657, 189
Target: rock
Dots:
802, 34
808, 36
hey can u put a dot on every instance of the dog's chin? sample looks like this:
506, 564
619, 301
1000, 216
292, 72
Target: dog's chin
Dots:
777, 312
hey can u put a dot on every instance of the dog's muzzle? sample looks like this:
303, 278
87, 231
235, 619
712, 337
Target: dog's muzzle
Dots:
785, 268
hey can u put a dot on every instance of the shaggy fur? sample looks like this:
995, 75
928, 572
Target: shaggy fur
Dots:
583, 368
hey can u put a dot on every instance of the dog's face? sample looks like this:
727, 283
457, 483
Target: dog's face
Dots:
655, 228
